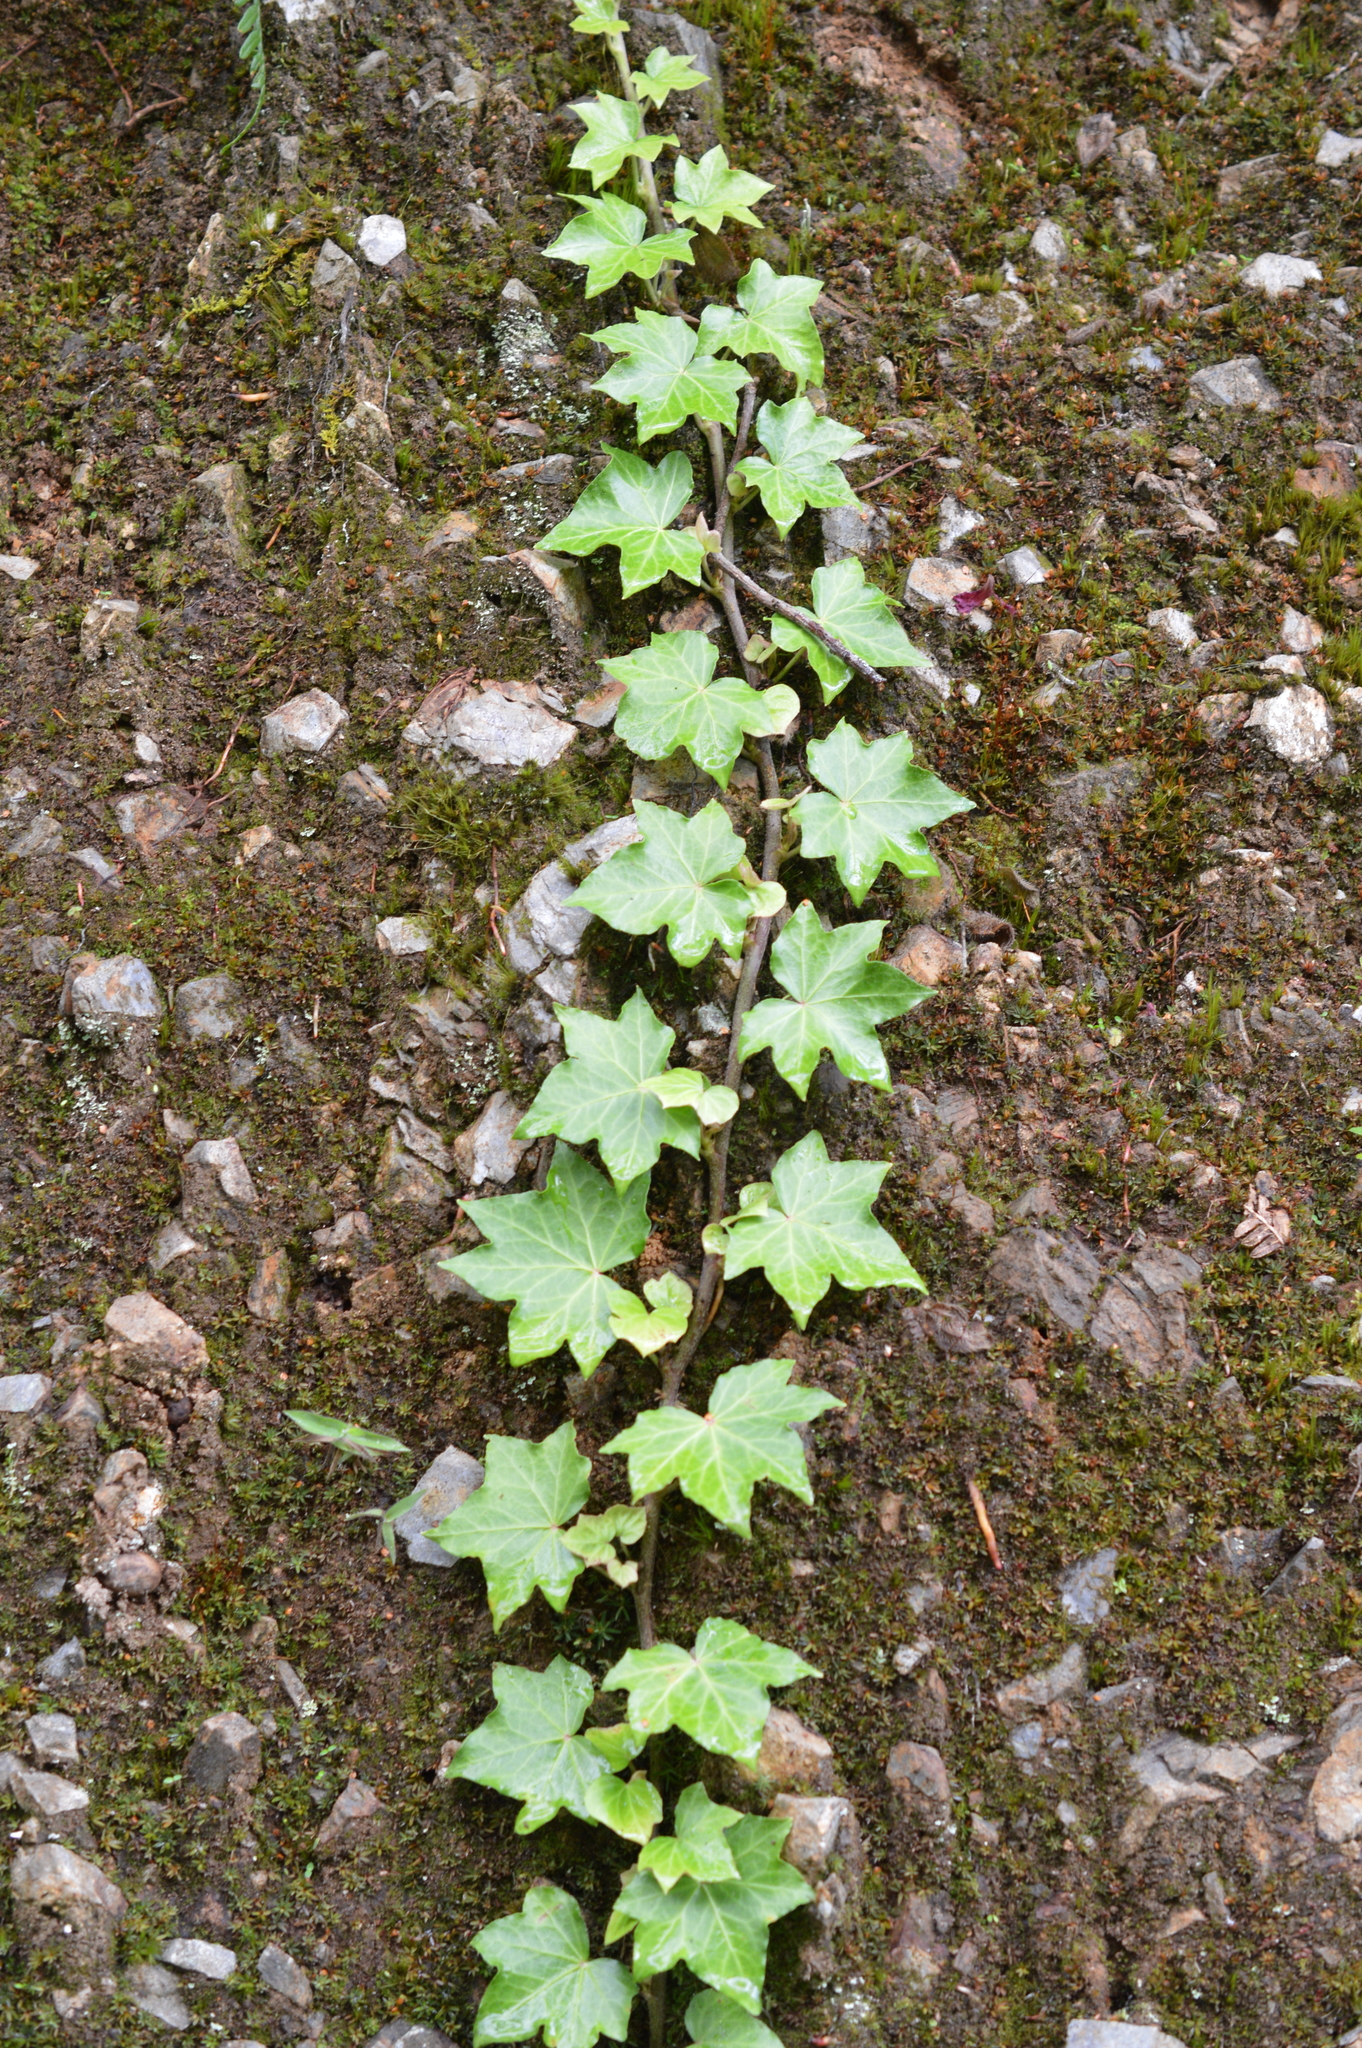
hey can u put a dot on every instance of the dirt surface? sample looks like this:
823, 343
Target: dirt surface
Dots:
226, 482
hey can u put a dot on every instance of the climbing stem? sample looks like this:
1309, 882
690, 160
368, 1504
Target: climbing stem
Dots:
810, 624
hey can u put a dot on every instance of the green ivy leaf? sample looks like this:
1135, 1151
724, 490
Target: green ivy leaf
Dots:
545, 1978
619, 1744
809, 1225
664, 378
593, 1539
598, 1091
861, 618
716, 1692
631, 1809
838, 996
683, 875
598, 18
713, 2021
713, 1104
879, 808
614, 131
719, 1929
662, 74
743, 1436
804, 449
671, 1299
775, 321
696, 1847
672, 699
631, 506
347, 1439
710, 191
514, 1521
529, 1748
549, 1252
611, 238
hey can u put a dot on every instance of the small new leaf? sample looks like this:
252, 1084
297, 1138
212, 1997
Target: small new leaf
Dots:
601, 1091
611, 238
671, 1299
673, 699
632, 1809
717, 1692
662, 74
549, 1253
696, 1847
614, 131
802, 470
718, 1457
713, 1105
684, 876
631, 506
593, 1539
858, 615
545, 1978
529, 1748
879, 808
811, 1225
775, 320
347, 1439
598, 18
713, 2021
837, 997
619, 1744
712, 191
663, 377
514, 1522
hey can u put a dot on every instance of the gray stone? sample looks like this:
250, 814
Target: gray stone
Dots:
1297, 725
1044, 1271
53, 1736
365, 791
820, 1830
1238, 179
402, 938
1273, 276
489, 1149
304, 725
202, 271
1026, 567
66, 1908
853, 530
1222, 713
1027, 1740
354, 1819
40, 838
1094, 140
917, 1775
109, 629
1336, 1794
278, 1970
18, 567
440, 1284
172, 1241
63, 1807
66, 1662
202, 1958
1244, 1550
1239, 385
1083, 1587
1336, 150
954, 522
1298, 1572
381, 238
94, 862
497, 731
1059, 1681
405, 2034
225, 1756
1176, 627
116, 992
1049, 243
792, 1757
24, 1393
210, 1007
1116, 2034
1086, 796
335, 277
1000, 313
154, 1333
1143, 1312
221, 1157
157, 1993
404, 1179
443, 1487
542, 924
225, 502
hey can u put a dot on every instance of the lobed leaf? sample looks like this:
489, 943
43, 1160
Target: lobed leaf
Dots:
716, 1692
671, 1302
593, 1539
837, 997
598, 18
545, 1978
775, 320
696, 1846
614, 131
713, 2021
611, 238
803, 450
631, 1809
663, 377
631, 506
514, 1522
529, 1748
711, 191
599, 1091
673, 699
684, 875
664, 73
858, 615
878, 810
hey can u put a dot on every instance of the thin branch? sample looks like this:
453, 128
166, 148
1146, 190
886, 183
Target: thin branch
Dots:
127, 96
134, 121
22, 51
804, 619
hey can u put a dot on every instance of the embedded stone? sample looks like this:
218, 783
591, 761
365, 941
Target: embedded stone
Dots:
820, 1829
155, 1333
1239, 385
1049, 243
64, 1664
443, 1487
157, 1992
151, 817
1061, 1680
201, 1958
225, 1756
224, 500
305, 725
335, 277
498, 730
1025, 567
489, 1148
120, 991
24, 1393
792, 1757
1274, 276
278, 1970
401, 938
1000, 313
917, 1775
1336, 1794
53, 1737
354, 1819
209, 1008
542, 923
381, 238
267, 1297
1336, 150
1297, 725
927, 957
365, 791
66, 1908
936, 580
857, 529
1094, 139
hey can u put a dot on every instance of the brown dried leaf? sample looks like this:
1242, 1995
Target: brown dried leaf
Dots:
1264, 1230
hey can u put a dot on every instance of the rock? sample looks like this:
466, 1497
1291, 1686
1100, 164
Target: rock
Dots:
971, 1210
225, 1755
1136, 161
211, 1007
62, 1807
53, 1737
404, 1180
954, 522
1038, 1203
792, 1757
1238, 385
1336, 1795
1174, 626
403, 2034
94, 862
381, 238
154, 816
489, 1149
1101, 793
1335, 150
1300, 633
543, 924
201, 273
1223, 713
1059, 1275
202, 1958
18, 567
135, 1572
1238, 179
558, 584
936, 581
305, 725
364, 790
24, 1393
116, 992
157, 1993
65, 1663
41, 837
1094, 140
225, 502
109, 630
853, 530
1083, 1587
917, 1775
820, 1830
335, 278
443, 1487
928, 957
155, 1334
172, 1241
1025, 567
267, 1297
1039, 1689
1049, 243
1297, 725
456, 529
1272, 276
1054, 649
497, 731
1333, 476
1307, 1564
355, 1819
402, 938
279, 1971
998, 313
221, 1157
1116, 2034
66, 1908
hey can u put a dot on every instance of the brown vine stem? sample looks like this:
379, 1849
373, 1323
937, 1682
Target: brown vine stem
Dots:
799, 618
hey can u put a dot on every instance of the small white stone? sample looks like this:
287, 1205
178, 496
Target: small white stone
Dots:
204, 1958
23, 1393
1049, 244
1335, 150
996, 312
18, 567
1298, 726
1175, 626
1300, 633
305, 725
442, 1488
935, 580
1272, 276
1025, 567
953, 522
401, 938
1239, 385
381, 238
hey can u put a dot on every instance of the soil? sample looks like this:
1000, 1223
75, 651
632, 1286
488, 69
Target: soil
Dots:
1155, 1025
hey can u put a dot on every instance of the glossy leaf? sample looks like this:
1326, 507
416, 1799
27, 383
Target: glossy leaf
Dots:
718, 1929
632, 1809
598, 18
803, 450
614, 131
878, 810
696, 1846
775, 320
593, 1539
711, 191
619, 1744
649, 1331
810, 1225
598, 1092
545, 1978
713, 1104
713, 2021
529, 1748
550, 1252
347, 1439
838, 995
683, 875
611, 238
859, 615
743, 1436
663, 74
673, 699
514, 1522
663, 377
631, 506
716, 1692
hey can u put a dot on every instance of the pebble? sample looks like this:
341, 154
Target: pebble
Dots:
18, 567
156, 816
157, 1993
543, 923
172, 1241
210, 1007
489, 1149
792, 1757
119, 991
225, 501
1000, 313
1335, 149
155, 1333
1054, 649
936, 580
41, 837
335, 277
66, 1662
225, 1755
103, 870
1049, 243
364, 790
278, 1970
849, 530
304, 725
1297, 725
401, 938
1025, 567
354, 1818
495, 730
1094, 139
1083, 1588
1174, 626
1116, 2034
953, 522
1061, 1680
1272, 276
1300, 633
443, 1487
202, 1958
399, 2034
917, 1774
24, 1393
928, 957
1239, 385
53, 1737
381, 238
820, 1829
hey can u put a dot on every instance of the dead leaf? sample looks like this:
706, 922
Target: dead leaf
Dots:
1264, 1230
